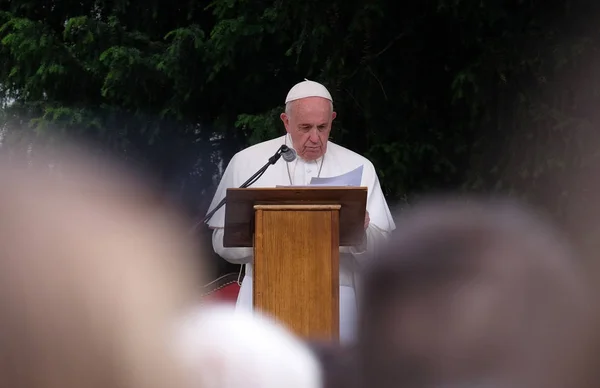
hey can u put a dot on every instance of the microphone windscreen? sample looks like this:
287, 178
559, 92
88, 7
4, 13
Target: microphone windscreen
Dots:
289, 155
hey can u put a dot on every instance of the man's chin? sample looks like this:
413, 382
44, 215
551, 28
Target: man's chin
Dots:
311, 155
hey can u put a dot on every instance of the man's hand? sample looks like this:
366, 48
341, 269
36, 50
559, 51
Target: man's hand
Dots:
367, 220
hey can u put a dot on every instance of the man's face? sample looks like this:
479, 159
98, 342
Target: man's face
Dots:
309, 123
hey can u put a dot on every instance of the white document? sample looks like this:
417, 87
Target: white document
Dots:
352, 178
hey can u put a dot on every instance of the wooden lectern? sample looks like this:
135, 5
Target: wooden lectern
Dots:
296, 233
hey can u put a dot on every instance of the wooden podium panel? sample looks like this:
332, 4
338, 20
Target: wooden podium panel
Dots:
296, 261
296, 234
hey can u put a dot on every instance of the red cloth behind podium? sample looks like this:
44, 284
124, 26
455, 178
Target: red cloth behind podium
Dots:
224, 289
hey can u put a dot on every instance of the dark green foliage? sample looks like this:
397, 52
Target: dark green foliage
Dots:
431, 91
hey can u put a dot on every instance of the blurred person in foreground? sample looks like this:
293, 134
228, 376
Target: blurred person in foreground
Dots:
238, 349
338, 364
476, 293
307, 119
94, 275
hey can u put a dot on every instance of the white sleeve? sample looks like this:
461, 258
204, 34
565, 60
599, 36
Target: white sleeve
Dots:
375, 238
232, 255
381, 222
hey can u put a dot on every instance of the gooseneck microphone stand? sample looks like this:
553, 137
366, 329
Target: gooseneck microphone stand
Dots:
272, 160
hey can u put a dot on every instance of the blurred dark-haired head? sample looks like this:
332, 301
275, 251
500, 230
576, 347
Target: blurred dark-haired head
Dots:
474, 292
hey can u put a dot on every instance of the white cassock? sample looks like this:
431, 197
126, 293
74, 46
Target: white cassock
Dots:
336, 161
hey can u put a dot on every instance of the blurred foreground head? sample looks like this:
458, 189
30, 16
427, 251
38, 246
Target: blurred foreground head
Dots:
94, 272
338, 364
475, 294
232, 349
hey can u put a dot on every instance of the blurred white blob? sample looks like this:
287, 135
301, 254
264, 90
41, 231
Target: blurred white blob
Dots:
230, 349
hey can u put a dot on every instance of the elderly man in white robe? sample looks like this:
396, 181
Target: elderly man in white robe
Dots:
307, 119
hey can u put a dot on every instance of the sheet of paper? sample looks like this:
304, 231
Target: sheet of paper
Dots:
352, 178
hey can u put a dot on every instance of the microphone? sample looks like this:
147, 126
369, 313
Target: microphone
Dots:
288, 154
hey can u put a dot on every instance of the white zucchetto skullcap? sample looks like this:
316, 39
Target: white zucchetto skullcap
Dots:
307, 88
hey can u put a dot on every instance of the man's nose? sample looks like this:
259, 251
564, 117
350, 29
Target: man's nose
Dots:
314, 136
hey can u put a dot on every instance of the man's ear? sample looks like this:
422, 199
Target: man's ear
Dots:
286, 121
333, 116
